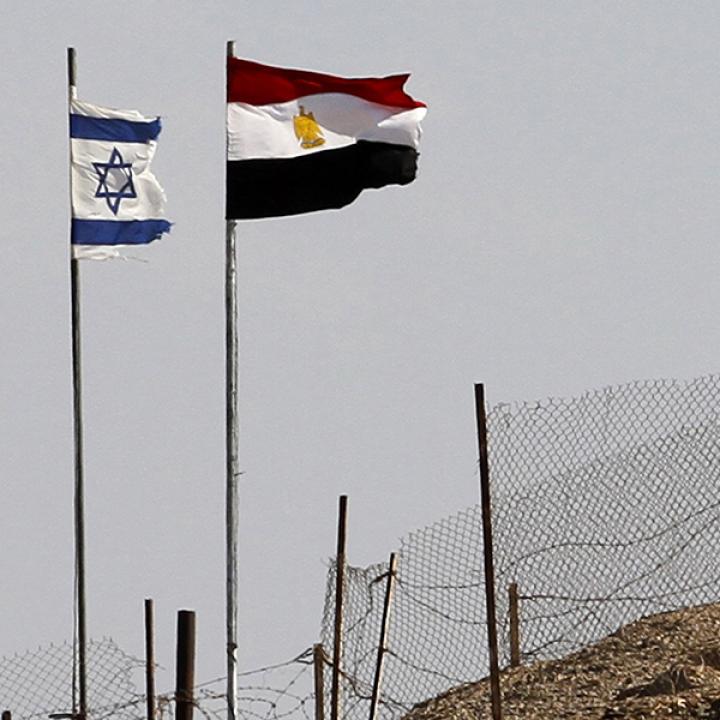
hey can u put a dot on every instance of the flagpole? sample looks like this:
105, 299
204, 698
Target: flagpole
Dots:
231, 450
79, 509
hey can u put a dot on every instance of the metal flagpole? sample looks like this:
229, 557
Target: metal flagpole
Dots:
231, 449
78, 437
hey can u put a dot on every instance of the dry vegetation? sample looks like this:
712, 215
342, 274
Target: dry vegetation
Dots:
663, 666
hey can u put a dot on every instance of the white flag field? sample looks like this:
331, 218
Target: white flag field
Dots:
116, 200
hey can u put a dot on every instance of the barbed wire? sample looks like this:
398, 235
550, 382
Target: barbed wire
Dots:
38, 683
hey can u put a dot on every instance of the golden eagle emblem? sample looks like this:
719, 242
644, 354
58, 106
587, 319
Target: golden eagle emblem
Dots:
307, 130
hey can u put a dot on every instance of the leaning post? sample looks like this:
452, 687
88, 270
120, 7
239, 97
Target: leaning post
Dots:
384, 628
488, 552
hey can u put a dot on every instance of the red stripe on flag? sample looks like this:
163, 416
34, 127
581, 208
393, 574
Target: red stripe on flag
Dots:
257, 84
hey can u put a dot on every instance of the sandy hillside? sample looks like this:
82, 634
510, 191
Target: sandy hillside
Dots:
663, 666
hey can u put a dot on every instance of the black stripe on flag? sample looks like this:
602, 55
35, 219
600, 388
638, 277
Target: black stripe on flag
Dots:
329, 179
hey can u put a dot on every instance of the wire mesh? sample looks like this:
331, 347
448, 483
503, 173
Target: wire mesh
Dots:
605, 509
36, 684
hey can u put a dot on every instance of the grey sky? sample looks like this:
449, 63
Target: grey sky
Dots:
561, 235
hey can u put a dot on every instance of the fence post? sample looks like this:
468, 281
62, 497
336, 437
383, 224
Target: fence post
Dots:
339, 607
319, 667
7, 715
185, 665
513, 608
382, 647
488, 552
150, 658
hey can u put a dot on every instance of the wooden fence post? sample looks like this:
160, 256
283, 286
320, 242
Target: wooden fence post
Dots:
185, 665
150, 658
382, 647
489, 567
339, 606
513, 608
319, 667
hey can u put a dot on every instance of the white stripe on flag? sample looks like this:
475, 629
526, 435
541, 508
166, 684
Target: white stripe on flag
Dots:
268, 131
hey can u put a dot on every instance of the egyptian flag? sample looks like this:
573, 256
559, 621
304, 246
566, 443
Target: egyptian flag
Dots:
300, 141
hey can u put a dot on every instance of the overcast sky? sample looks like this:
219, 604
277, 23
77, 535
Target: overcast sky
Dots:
562, 235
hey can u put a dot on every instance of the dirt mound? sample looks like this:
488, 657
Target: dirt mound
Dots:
663, 666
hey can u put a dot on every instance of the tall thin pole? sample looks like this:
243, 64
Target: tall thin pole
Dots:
150, 658
231, 449
488, 552
78, 444
339, 607
384, 628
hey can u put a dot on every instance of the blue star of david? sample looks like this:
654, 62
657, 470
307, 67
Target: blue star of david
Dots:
115, 180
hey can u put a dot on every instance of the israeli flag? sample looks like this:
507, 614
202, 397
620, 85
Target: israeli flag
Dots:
116, 200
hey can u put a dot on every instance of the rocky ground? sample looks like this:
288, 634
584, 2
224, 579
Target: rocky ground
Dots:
663, 666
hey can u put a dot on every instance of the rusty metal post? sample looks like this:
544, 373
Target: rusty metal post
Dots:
339, 607
319, 667
488, 552
150, 659
382, 647
185, 665
513, 609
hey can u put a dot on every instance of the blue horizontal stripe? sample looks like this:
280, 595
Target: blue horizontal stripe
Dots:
114, 130
117, 232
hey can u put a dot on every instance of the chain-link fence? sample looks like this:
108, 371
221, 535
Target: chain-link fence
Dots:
606, 507
37, 684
